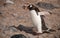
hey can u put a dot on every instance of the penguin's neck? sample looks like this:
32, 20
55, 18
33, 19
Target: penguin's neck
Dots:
33, 12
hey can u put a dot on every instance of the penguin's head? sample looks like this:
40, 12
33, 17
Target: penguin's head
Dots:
33, 7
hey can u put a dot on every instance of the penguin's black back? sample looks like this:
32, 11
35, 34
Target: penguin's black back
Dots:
44, 27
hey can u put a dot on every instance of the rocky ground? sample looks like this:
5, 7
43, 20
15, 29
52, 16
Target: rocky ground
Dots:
14, 15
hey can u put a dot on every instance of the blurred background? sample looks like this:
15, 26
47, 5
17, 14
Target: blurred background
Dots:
14, 15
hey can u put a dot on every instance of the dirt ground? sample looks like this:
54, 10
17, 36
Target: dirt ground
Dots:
14, 14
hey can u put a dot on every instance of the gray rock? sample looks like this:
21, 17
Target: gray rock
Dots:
12, 29
46, 5
18, 36
0, 13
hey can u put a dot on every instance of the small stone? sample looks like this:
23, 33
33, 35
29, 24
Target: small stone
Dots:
12, 29
0, 13
9, 1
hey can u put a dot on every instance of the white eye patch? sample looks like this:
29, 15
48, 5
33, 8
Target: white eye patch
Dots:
30, 5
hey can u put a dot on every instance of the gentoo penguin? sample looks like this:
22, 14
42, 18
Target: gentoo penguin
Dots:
37, 18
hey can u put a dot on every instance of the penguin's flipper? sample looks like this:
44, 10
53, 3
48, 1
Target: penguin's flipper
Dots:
44, 13
51, 30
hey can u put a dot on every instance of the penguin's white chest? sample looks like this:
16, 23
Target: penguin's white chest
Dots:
36, 19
